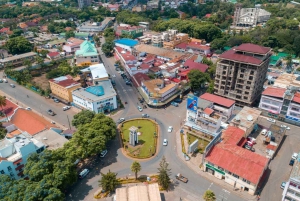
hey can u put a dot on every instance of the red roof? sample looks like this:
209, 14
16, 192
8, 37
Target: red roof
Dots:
144, 66
217, 99
249, 47
3, 30
232, 55
139, 77
296, 97
181, 45
208, 15
198, 45
273, 91
194, 66
208, 111
53, 54
233, 158
68, 82
30, 122
9, 108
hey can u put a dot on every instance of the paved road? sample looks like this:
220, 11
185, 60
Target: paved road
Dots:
37, 102
117, 162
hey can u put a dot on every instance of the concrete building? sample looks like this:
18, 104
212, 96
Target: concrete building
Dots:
141, 192
126, 44
92, 27
237, 166
291, 190
62, 87
100, 98
72, 45
179, 38
84, 3
95, 73
17, 60
133, 31
249, 17
241, 73
87, 54
157, 91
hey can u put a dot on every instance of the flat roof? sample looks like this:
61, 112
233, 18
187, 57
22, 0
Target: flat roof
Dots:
149, 49
285, 80
246, 117
141, 192
127, 42
51, 139
88, 93
20, 56
98, 71
218, 99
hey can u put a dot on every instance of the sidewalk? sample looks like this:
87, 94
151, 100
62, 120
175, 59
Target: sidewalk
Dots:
194, 164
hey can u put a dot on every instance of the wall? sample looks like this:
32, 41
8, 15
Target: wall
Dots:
62, 92
87, 59
128, 48
270, 104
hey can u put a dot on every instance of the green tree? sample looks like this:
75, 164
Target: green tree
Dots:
3, 104
27, 63
16, 33
135, 168
107, 48
82, 118
164, 174
18, 45
218, 43
39, 60
197, 79
70, 34
3, 131
109, 181
296, 45
209, 196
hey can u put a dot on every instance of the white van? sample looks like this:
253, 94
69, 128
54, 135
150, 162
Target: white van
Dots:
263, 132
83, 173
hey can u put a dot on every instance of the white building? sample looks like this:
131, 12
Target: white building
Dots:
100, 98
14, 153
291, 191
97, 71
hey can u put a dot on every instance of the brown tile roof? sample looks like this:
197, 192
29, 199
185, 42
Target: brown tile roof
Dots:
273, 91
232, 55
249, 47
9, 108
30, 122
68, 82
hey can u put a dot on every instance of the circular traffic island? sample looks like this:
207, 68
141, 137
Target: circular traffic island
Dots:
139, 138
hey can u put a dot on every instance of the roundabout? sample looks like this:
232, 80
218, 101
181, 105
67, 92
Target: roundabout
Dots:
139, 138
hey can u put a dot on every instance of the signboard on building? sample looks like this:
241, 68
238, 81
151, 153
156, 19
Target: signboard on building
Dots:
292, 118
192, 103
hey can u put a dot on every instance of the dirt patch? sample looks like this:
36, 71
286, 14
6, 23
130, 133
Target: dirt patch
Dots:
42, 81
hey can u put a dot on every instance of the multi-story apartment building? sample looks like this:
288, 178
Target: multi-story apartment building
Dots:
241, 73
84, 3
179, 38
291, 191
63, 86
86, 55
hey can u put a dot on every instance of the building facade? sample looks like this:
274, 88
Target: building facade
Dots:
87, 54
291, 191
62, 87
101, 98
241, 73
17, 60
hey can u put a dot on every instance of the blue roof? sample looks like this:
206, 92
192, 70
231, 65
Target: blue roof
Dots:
96, 90
126, 41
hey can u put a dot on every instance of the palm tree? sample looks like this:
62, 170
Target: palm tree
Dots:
109, 181
3, 103
209, 196
135, 167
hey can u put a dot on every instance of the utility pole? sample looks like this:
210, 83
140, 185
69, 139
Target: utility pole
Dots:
69, 122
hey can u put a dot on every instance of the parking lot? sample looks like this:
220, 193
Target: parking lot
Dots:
279, 168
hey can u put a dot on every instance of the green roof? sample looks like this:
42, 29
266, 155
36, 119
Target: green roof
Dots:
283, 54
59, 41
274, 60
227, 48
87, 49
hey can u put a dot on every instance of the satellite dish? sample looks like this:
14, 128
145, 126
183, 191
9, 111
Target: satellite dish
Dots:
249, 118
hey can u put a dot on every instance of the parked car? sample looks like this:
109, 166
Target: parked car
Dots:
170, 129
83, 173
286, 127
165, 143
271, 120
66, 108
181, 178
139, 108
292, 161
128, 83
1, 80
249, 147
145, 115
264, 132
282, 186
120, 120
56, 100
174, 104
50, 112
12, 85
295, 156
103, 153
5, 80
178, 100
28, 108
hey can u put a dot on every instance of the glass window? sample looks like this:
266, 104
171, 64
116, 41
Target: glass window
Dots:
2, 172
236, 176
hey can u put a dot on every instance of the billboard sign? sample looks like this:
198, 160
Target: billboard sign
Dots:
192, 103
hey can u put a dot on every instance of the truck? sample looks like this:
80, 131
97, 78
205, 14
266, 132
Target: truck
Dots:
181, 178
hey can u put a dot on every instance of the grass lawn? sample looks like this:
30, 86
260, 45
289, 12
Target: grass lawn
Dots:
146, 139
202, 143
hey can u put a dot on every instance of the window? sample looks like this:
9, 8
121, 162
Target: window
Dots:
245, 180
2, 172
18, 164
236, 176
220, 168
295, 109
9, 168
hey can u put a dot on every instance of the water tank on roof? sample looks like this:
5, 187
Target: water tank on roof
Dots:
249, 118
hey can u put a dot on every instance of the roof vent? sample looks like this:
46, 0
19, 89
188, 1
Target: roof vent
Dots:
249, 118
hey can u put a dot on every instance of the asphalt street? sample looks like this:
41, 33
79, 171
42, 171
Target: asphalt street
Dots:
115, 161
28, 98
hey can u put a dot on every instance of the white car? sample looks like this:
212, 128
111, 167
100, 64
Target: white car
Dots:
295, 156
170, 129
120, 120
103, 153
28, 108
113, 75
66, 108
264, 132
271, 120
140, 109
165, 143
286, 127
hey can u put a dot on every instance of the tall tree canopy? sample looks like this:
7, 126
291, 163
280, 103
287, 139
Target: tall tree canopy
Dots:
18, 45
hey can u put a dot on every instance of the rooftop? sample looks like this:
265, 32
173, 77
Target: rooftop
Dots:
50, 139
9, 108
217, 100
246, 117
231, 157
65, 81
232, 55
149, 49
30, 122
53, 54
20, 56
252, 48
274, 91
296, 97
138, 78
127, 42
141, 192
103, 90
285, 80
98, 71
194, 66
86, 49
